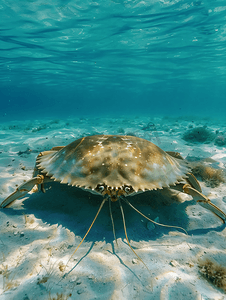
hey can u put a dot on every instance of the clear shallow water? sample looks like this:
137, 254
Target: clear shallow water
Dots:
112, 58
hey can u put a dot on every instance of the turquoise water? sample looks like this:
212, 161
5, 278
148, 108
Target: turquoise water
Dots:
112, 57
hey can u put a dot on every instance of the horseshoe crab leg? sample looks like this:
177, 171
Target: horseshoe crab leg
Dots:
150, 220
22, 190
102, 203
124, 225
112, 221
204, 201
191, 179
26, 187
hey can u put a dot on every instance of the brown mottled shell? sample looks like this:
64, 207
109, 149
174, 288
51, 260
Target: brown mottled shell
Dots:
115, 161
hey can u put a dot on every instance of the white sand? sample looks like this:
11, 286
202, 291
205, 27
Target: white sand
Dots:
40, 231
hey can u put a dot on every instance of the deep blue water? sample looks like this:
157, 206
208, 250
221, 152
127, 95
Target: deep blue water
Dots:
112, 57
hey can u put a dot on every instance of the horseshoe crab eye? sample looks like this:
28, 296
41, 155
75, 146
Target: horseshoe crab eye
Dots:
127, 189
100, 188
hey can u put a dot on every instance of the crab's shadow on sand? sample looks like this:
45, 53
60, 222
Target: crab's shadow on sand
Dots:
75, 210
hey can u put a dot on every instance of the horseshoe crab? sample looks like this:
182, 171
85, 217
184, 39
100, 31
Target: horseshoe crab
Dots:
114, 167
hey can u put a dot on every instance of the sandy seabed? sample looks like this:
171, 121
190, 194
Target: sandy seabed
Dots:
40, 231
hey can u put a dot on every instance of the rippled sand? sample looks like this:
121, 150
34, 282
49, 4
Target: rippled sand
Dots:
40, 232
